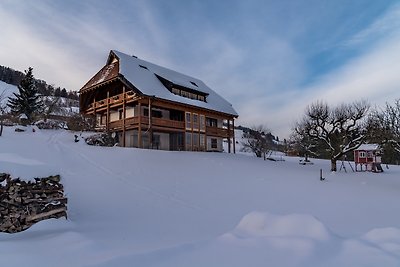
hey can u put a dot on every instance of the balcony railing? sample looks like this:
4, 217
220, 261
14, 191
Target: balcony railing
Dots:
165, 123
134, 121
220, 132
113, 100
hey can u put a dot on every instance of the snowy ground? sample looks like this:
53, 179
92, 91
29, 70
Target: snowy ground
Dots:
131, 207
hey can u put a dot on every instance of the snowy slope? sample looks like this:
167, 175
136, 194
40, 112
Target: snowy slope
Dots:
7, 89
131, 207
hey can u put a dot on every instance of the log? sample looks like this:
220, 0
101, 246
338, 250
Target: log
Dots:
45, 214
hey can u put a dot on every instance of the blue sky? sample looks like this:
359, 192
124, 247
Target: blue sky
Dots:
270, 59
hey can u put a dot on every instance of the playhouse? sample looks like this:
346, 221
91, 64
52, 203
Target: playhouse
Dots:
368, 158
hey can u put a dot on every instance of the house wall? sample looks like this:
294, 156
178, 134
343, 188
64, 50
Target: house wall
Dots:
163, 141
131, 138
114, 115
130, 112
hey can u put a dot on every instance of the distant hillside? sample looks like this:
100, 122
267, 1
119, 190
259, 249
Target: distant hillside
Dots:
65, 106
14, 77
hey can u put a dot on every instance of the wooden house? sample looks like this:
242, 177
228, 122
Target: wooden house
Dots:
368, 158
149, 106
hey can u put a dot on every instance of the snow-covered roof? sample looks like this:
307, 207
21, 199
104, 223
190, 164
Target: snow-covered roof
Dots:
368, 147
142, 75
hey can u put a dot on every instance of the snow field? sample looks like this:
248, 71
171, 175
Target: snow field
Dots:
132, 207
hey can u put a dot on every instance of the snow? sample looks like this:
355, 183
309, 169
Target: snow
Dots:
132, 207
147, 82
8, 90
368, 147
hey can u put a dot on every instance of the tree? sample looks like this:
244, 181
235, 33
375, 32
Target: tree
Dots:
27, 101
257, 141
341, 128
2, 110
384, 125
303, 143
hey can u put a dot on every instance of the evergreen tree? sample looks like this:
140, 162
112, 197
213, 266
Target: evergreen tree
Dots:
27, 101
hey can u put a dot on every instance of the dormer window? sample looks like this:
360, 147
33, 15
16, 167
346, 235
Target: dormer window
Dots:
183, 91
143, 67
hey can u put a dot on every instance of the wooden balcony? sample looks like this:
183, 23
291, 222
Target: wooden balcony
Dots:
219, 132
159, 123
156, 122
167, 123
113, 101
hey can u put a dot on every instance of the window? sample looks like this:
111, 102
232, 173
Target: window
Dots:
361, 154
154, 113
214, 143
188, 120
188, 94
193, 83
156, 141
195, 121
176, 91
211, 122
188, 138
143, 67
195, 141
202, 142
202, 123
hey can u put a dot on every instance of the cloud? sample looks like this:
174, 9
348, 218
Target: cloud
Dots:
67, 48
259, 64
373, 76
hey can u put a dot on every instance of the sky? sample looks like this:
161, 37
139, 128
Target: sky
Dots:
269, 58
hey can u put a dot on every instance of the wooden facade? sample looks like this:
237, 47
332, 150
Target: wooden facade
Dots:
149, 121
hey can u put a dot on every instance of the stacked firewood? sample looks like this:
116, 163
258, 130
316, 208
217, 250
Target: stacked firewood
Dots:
23, 204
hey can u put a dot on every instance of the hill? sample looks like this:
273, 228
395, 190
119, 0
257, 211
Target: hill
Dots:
132, 207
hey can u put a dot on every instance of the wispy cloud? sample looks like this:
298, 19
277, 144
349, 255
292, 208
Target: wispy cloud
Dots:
373, 75
256, 54
66, 49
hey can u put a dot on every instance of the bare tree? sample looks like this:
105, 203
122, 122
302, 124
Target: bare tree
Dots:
257, 141
51, 105
341, 128
303, 143
384, 125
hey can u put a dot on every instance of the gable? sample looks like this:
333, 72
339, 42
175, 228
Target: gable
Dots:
108, 72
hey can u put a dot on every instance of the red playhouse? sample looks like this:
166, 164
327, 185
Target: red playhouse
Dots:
368, 157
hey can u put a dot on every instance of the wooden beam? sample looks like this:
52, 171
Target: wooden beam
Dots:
140, 126
150, 124
124, 116
229, 136
108, 112
234, 141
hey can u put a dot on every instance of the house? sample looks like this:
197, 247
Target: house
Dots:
369, 157
149, 106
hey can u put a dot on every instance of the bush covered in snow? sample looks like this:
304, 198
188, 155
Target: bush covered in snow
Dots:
101, 139
51, 124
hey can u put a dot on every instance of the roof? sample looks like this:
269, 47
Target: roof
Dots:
369, 147
142, 75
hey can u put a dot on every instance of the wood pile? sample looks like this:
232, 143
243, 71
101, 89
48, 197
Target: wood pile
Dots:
23, 204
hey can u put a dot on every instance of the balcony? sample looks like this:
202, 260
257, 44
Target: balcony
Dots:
111, 101
156, 122
219, 132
